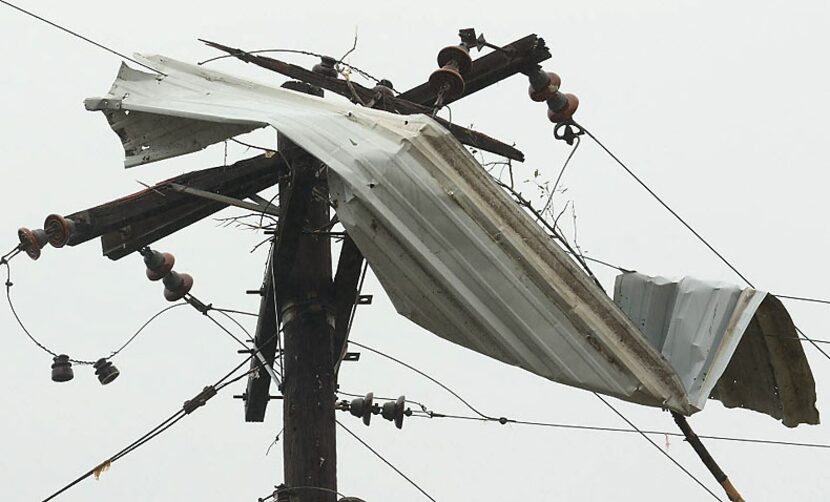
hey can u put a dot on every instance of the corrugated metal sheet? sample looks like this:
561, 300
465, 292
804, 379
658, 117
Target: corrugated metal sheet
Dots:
454, 253
736, 345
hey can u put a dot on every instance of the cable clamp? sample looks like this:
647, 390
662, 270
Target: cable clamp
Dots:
568, 131
199, 400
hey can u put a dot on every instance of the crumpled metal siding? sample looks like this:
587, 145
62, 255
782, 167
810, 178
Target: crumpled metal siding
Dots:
769, 372
454, 253
736, 345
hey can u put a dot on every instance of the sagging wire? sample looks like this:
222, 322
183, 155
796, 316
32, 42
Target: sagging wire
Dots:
49, 351
388, 463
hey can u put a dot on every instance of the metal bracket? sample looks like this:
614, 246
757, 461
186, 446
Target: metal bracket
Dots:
364, 300
352, 356
273, 211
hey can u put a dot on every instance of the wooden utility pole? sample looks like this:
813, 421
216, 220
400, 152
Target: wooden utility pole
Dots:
304, 297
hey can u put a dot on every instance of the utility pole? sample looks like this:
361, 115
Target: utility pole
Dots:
304, 298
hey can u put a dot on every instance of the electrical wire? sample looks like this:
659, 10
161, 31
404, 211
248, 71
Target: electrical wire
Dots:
561, 173
226, 330
661, 450
805, 299
689, 227
428, 377
362, 73
378, 455
152, 434
82, 37
596, 428
49, 351
157, 314
505, 420
232, 311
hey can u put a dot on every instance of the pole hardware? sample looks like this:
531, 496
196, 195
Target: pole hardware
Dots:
160, 267
56, 231
365, 407
105, 371
62, 369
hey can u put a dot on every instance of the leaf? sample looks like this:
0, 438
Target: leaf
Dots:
101, 468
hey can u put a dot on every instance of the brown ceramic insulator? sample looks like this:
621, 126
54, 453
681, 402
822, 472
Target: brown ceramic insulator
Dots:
173, 295
326, 67
565, 113
29, 243
547, 91
455, 55
166, 266
449, 80
383, 91
59, 229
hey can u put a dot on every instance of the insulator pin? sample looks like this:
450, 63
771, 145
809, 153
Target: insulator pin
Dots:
565, 111
32, 241
62, 369
543, 87
105, 371
326, 67
59, 229
176, 285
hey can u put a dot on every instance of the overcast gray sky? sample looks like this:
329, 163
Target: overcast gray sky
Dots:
718, 105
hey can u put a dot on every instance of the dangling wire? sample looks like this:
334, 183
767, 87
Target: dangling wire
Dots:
46, 349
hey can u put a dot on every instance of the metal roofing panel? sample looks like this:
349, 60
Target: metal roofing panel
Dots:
724, 342
453, 251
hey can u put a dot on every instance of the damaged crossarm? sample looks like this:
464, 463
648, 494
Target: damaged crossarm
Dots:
346, 291
487, 70
707, 459
360, 94
129, 223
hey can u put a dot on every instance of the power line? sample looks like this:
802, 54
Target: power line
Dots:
82, 37
232, 311
185, 410
49, 351
689, 227
662, 451
378, 455
157, 314
596, 428
504, 419
428, 377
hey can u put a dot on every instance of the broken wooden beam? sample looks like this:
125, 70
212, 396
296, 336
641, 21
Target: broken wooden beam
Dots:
129, 223
518, 57
369, 97
346, 284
